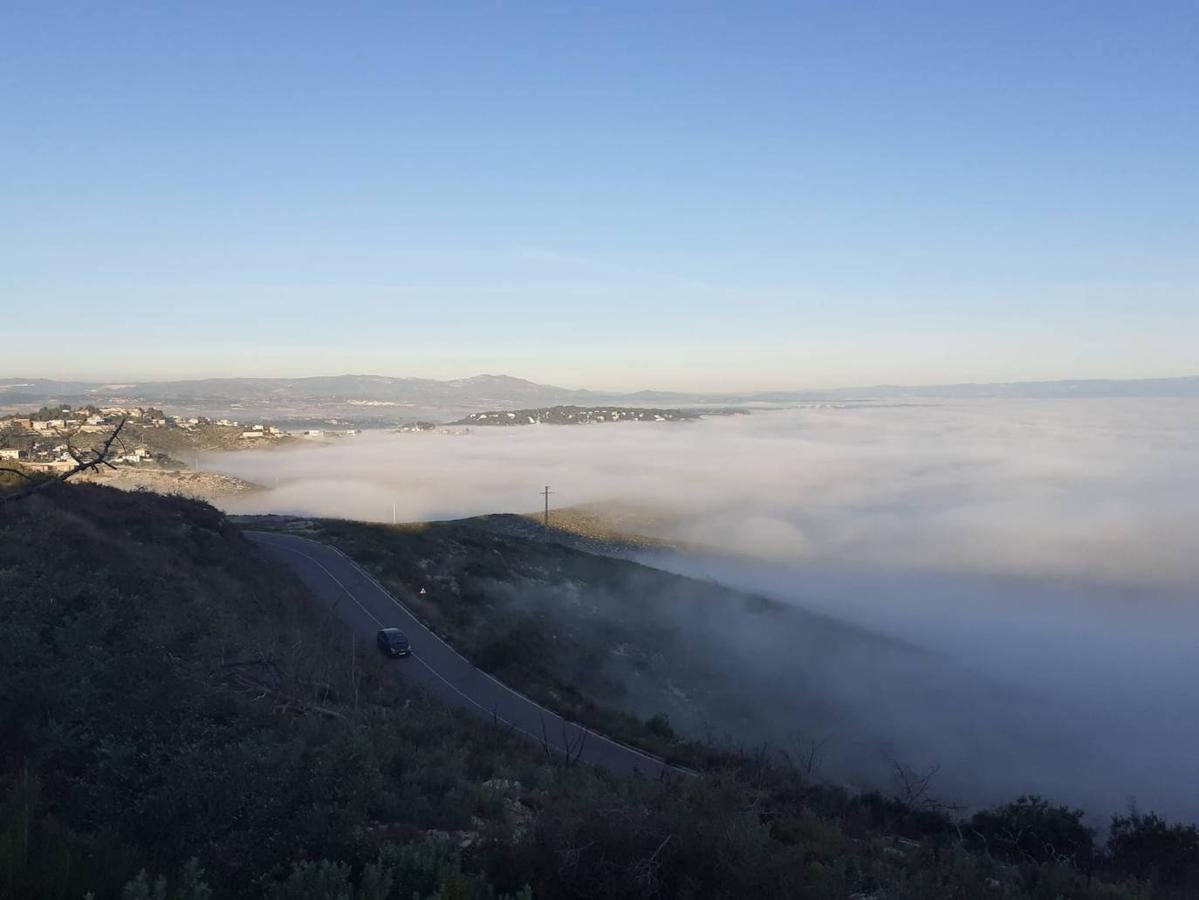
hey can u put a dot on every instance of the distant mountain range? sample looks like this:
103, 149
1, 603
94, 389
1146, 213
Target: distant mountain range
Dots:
379, 398
336, 388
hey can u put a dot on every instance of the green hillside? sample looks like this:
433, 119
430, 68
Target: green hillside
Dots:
610, 642
174, 704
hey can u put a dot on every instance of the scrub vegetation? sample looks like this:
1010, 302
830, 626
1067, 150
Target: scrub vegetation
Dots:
179, 720
606, 641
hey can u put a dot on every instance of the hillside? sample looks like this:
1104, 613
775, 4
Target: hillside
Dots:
392, 400
166, 441
172, 702
685, 668
355, 398
586, 633
195, 485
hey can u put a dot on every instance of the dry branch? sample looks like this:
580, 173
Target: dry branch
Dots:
85, 461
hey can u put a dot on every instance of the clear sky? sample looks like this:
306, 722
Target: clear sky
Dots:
610, 195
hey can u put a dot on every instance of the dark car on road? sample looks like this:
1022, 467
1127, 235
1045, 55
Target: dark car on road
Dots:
393, 642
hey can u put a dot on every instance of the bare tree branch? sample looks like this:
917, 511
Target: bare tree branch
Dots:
645, 871
913, 785
914, 789
573, 751
88, 460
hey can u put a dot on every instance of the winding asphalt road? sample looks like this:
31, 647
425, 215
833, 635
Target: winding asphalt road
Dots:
366, 606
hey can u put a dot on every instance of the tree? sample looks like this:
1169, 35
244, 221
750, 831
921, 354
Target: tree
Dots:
12, 435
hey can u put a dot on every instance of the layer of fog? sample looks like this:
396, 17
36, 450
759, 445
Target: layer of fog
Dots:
1048, 547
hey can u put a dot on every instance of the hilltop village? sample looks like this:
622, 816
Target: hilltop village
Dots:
589, 415
42, 440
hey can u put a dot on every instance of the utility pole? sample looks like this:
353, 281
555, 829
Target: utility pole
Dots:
393, 513
547, 493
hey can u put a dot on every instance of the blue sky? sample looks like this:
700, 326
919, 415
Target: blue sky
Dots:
611, 195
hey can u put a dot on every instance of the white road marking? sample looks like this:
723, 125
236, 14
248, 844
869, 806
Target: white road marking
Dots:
335, 580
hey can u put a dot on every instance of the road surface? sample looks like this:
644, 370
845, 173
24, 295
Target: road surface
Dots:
365, 606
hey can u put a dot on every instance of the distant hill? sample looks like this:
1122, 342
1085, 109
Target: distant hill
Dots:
343, 388
353, 398
1096, 387
376, 398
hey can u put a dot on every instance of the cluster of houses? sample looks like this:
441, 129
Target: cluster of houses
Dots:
42, 440
260, 432
58, 458
194, 422
88, 420
46, 434
72, 424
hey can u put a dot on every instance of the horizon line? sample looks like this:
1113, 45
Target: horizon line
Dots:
7, 383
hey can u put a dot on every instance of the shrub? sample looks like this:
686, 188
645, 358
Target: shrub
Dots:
660, 725
1031, 829
1146, 846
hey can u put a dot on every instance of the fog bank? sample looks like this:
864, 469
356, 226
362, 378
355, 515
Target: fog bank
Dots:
1048, 546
